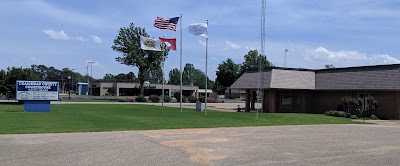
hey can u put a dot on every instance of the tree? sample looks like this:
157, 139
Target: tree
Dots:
108, 78
121, 77
174, 77
329, 66
199, 79
188, 74
154, 76
2, 81
128, 43
251, 61
228, 72
12, 75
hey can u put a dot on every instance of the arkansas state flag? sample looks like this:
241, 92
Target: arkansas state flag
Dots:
169, 42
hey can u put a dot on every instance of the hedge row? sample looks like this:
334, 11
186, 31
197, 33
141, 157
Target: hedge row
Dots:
345, 115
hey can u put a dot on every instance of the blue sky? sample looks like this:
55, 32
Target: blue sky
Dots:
316, 32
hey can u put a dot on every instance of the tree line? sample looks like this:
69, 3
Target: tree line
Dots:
9, 76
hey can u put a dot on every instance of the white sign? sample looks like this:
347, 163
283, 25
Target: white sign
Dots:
37, 90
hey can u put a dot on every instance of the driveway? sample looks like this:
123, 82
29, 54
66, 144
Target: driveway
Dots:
382, 122
276, 145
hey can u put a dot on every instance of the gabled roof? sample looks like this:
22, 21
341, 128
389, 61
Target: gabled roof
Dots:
378, 77
249, 80
277, 78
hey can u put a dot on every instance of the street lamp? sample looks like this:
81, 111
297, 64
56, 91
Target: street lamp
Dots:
69, 89
91, 81
72, 79
284, 61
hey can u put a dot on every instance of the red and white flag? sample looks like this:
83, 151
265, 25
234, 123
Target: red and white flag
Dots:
169, 42
166, 23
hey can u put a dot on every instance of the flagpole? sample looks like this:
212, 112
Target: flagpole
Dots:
180, 105
163, 56
205, 105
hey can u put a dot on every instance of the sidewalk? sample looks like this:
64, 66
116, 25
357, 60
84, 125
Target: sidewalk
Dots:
381, 122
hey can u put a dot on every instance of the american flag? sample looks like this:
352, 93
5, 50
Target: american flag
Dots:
166, 23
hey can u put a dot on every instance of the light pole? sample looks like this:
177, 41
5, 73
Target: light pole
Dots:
91, 76
72, 79
69, 89
284, 62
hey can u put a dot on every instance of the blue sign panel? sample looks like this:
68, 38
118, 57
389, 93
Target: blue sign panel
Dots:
37, 90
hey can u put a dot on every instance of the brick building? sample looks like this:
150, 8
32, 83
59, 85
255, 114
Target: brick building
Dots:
316, 91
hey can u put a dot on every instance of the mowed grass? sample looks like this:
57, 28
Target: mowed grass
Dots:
111, 117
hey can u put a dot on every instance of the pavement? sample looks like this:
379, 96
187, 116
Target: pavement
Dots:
381, 122
308, 145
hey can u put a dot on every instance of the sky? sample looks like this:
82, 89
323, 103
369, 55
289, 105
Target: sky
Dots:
68, 33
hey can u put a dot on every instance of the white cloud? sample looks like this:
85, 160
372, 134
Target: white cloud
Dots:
80, 38
213, 58
33, 59
231, 46
56, 35
97, 39
248, 48
58, 13
384, 59
324, 55
202, 43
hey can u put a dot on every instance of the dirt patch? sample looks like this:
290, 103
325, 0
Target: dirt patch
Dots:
159, 133
198, 154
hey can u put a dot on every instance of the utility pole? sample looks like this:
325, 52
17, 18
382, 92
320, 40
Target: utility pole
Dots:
72, 79
91, 81
87, 76
284, 61
260, 89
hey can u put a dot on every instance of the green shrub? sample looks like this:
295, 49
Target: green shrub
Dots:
167, 99
211, 100
154, 98
141, 98
341, 114
328, 113
184, 99
337, 113
192, 99
347, 115
353, 117
177, 96
122, 100
374, 117
202, 99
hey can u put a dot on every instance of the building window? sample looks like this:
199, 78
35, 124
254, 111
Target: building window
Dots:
286, 101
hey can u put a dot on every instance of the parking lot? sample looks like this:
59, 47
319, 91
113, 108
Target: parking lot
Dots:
274, 145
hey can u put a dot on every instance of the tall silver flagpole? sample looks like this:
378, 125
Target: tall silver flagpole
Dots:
205, 105
163, 56
180, 105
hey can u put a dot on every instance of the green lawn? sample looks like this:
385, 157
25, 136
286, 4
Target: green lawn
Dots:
108, 117
89, 101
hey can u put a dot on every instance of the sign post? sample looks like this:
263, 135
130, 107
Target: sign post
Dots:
37, 94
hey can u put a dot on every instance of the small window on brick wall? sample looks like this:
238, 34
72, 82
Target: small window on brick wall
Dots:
286, 101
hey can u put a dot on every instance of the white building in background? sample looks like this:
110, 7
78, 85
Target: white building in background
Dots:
132, 89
